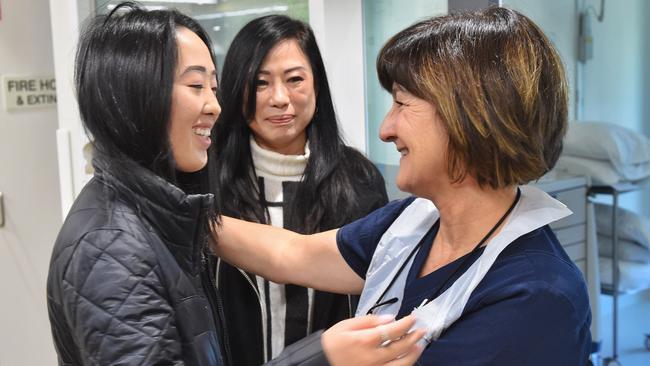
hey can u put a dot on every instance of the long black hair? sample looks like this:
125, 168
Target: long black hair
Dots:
328, 188
124, 77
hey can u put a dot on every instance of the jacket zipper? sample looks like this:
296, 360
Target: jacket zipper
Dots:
350, 314
259, 301
217, 311
214, 300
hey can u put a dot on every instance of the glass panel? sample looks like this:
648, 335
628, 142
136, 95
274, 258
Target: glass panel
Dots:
382, 19
222, 19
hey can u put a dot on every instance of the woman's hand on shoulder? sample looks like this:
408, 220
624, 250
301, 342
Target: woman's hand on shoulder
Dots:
372, 340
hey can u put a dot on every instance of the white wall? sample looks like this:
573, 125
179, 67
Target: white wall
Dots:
29, 181
339, 31
66, 17
616, 82
613, 78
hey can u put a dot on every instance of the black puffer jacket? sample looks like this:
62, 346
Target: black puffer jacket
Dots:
127, 283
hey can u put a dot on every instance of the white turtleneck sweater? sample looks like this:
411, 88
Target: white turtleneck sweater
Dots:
275, 168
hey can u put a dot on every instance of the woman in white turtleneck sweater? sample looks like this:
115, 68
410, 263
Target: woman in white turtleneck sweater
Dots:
281, 161
273, 169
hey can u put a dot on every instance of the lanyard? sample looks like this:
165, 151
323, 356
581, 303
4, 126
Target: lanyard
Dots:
379, 301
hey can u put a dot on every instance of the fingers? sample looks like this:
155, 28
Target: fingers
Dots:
359, 341
409, 358
365, 322
394, 330
405, 351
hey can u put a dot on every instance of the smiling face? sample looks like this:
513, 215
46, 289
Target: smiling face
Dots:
194, 108
285, 100
415, 127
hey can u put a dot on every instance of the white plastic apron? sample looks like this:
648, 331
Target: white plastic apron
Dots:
534, 210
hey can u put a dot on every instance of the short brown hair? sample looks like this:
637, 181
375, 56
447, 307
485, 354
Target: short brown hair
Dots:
498, 85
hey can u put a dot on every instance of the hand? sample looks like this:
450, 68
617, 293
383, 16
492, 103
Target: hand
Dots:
372, 340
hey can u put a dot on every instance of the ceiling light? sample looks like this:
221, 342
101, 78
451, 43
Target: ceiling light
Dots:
200, 2
238, 13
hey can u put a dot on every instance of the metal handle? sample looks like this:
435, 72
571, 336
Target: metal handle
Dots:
2, 210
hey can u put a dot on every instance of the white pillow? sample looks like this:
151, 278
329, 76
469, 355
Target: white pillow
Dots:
606, 141
633, 276
600, 171
627, 250
634, 172
630, 226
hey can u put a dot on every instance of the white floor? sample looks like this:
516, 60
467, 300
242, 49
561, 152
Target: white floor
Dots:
633, 325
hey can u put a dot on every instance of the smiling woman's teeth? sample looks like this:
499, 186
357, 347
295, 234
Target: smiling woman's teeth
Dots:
201, 131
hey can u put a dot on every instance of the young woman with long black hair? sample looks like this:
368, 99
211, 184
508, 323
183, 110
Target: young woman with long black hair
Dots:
128, 281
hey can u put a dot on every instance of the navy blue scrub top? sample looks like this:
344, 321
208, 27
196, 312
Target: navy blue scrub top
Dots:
531, 308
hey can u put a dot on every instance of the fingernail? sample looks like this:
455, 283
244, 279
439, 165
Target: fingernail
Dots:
385, 318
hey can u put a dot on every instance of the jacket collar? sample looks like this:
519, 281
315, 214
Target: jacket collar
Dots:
176, 217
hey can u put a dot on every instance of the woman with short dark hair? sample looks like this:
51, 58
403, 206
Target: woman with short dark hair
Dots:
500, 92
479, 109
280, 160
